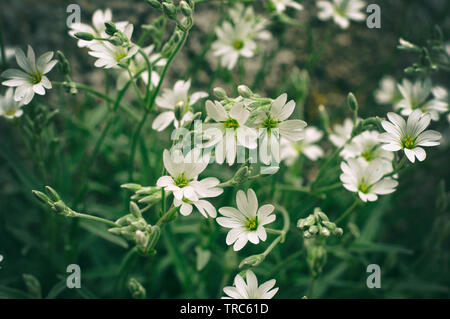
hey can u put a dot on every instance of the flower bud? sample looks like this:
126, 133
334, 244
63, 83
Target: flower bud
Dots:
154, 4
136, 289
252, 261
245, 91
241, 175
110, 28
33, 285
52, 193
338, 231
141, 238
134, 209
313, 229
64, 66
219, 93
41, 197
325, 232
185, 9
352, 102
86, 36
169, 10
131, 186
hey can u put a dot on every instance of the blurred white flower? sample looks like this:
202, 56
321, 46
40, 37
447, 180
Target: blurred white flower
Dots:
238, 38
368, 147
341, 132
281, 5
10, 108
366, 179
232, 129
98, 26
183, 174
409, 135
274, 124
33, 80
111, 56
388, 92
247, 222
405, 45
414, 96
250, 289
138, 63
206, 188
289, 151
341, 11
178, 101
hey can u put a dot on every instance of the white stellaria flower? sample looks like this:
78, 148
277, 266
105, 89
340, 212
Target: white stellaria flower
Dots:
138, 63
32, 79
274, 124
409, 135
183, 174
388, 92
230, 131
414, 96
440, 103
10, 108
341, 132
289, 151
176, 101
111, 56
250, 289
341, 11
368, 147
238, 38
98, 27
247, 222
281, 5
366, 179
206, 188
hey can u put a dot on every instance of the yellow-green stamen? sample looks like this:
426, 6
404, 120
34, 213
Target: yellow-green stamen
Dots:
36, 77
408, 142
363, 187
252, 223
181, 180
238, 44
231, 123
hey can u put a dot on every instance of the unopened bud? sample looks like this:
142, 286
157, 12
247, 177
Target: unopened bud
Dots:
185, 9
41, 196
134, 209
252, 261
136, 289
169, 10
352, 102
245, 91
86, 36
220, 93
110, 28
154, 4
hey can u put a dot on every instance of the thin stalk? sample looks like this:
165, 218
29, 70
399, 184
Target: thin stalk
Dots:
348, 211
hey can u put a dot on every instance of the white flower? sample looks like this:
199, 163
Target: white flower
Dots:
184, 171
109, 55
341, 11
289, 150
405, 45
388, 92
232, 130
98, 27
281, 5
366, 179
10, 108
409, 136
250, 289
414, 96
368, 147
138, 63
274, 123
439, 104
176, 99
33, 80
206, 188
238, 39
341, 133
247, 222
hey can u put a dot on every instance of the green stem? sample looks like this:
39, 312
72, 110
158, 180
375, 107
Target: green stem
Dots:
348, 211
95, 218
167, 215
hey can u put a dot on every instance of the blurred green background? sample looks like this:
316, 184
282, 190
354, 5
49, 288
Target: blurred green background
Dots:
406, 233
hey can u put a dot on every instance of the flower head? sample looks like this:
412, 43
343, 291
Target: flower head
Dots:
366, 179
32, 79
409, 135
232, 130
414, 96
250, 289
10, 108
177, 101
281, 5
341, 11
247, 222
388, 92
341, 132
237, 39
112, 56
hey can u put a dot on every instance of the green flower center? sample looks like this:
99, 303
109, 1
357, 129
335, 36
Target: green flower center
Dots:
119, 55
238, 44
231, 123
181, 180
368, 155
363, 187
36, 77
252, 223
270, 123
408, 142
